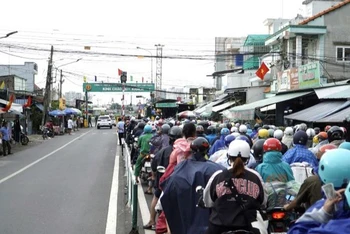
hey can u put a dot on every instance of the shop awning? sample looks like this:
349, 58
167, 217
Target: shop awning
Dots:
208, 107
319, 111
268, 108
337, 117
335, 92
223, 106
246, 112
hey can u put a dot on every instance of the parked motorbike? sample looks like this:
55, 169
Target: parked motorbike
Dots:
47, 132
23, 138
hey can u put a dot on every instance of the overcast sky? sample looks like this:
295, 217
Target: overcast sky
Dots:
185, 28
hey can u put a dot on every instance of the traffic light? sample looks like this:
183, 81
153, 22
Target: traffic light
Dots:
84, 79
123, 77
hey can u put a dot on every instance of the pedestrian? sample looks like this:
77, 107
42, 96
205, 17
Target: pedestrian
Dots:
89, 120
70, 125
120, 126
17, 129
5, 139
96, 118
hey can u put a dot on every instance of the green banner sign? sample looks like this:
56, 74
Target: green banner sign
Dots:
309, 75
166, 105
118, 87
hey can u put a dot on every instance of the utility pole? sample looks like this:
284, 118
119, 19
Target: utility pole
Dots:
47, 95
61, 82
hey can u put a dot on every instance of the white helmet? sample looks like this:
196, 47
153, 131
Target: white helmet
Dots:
234, 129
278, 134
235, 134
288, 131
310, 132
239, 148
243, 128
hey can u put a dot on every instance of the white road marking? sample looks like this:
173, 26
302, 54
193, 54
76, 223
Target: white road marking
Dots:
145, 214
111, 224
40, 159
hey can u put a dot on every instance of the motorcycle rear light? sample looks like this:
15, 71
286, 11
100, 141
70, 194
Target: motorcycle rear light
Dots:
278, 215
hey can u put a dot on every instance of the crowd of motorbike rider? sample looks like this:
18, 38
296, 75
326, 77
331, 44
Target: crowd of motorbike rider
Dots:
233, 163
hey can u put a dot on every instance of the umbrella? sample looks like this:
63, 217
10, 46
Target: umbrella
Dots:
56, 113
70, 111
186, 114
77, 111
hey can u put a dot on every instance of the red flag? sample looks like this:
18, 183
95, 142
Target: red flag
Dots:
262, 71
119, 72
9, 104
29, 102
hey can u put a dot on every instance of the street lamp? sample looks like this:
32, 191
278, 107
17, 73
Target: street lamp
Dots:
61, 76
9, 34
151, 61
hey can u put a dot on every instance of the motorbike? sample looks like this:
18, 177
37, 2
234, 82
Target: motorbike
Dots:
146, 170
23, 138
47, 132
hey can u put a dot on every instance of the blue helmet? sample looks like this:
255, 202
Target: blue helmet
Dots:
224, 131
243, 138
344, 145
334, 167
147, 129
229, 139
347, 194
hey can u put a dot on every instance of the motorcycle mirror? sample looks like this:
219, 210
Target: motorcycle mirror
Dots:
199, 187
161, 169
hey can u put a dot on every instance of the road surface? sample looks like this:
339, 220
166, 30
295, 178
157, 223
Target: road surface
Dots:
64, 185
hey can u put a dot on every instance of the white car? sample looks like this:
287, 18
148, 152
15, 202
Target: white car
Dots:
113, 120
104, 121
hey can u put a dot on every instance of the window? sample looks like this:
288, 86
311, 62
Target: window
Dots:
343, 54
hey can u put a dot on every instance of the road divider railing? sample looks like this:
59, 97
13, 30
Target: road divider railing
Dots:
132, 186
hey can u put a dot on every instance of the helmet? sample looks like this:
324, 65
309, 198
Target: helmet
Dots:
347, 194
243, 138
234, 129
288, 131
200, 144
175, 133
327, 128
300, 137
317, 130
256, 126
157, 117
229, 139
235, 134
141, 125
160, 122
325, 148
278, 134
344, 145
322, 136
315, 140
229, 125
271, 132
243, 128
310, 132
224, 131
334, 167
335, 133
258, 149
199, 129
263, 133
272, 144
267, 127
239, 149
211, 130
147, 129
344, 130
165, 128
302, 127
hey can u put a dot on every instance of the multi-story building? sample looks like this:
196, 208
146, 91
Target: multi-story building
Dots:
71, 96
28, 71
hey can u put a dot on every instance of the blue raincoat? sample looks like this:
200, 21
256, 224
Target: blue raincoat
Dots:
180, 198
218, 145
274, 169
211, 138
307, 224
300, 154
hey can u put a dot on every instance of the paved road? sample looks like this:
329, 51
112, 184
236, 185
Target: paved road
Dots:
63, 186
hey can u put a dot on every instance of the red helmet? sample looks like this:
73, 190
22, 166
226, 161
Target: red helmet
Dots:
327, 128
272, 144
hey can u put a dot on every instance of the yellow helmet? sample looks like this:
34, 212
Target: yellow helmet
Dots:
315, 139
263, 133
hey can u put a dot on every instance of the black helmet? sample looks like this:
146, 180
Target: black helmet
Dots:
300, 137
199, 130
317, 130
258, 150
200, 144
211, 130
267, 127
335, 133
229, 125
175, 133
141, 125
165, 128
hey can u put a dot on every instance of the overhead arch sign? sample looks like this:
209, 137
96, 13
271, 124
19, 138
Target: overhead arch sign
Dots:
118, 87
